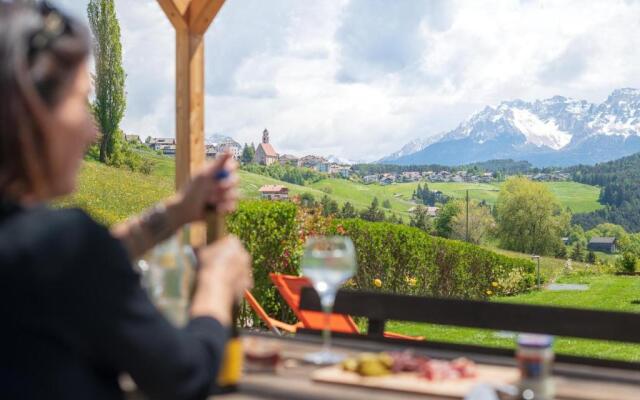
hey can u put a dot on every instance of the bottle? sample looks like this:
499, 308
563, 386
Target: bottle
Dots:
535, 361
231, 368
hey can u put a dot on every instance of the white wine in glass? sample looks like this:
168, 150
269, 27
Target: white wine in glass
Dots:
328, 262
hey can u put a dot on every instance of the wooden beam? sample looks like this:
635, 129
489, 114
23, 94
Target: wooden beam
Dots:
190, 146
191, 19
202, 13
183, 6
176, 11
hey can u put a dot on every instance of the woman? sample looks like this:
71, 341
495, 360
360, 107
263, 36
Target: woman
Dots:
73, 313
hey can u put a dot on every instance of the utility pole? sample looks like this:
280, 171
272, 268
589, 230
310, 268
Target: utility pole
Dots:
467, 230
537, 258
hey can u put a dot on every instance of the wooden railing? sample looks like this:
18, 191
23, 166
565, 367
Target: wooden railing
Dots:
378, 308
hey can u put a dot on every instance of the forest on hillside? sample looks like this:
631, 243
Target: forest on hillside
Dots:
507, 167
620, 183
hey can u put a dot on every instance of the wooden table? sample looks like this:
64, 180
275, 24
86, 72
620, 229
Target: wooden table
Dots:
292, 379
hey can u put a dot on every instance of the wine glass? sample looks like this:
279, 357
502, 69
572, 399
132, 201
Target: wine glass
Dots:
328, 262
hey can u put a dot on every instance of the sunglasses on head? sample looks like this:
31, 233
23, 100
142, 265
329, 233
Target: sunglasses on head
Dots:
54, 25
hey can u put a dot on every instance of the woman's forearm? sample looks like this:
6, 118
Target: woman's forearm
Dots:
141, 233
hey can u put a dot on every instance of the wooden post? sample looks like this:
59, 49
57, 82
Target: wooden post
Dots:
191, 19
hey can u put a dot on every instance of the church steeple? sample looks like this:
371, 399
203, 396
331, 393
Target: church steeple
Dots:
265, 136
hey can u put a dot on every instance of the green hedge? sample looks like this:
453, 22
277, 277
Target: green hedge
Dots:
269, 230
402, 259
399, 258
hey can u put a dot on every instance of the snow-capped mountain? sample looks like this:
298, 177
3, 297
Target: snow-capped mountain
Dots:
217, 139
413, 146
556, 131
340, 160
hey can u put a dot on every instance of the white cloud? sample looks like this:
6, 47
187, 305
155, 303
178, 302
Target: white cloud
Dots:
359, 78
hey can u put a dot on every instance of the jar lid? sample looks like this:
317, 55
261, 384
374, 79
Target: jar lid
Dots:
534, 340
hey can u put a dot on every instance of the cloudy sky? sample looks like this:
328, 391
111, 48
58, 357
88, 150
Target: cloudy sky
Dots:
360, 78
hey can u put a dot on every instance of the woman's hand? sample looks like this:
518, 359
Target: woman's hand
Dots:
205, 191
224, 275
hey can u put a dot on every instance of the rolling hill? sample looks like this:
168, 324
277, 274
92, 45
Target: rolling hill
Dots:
112, 194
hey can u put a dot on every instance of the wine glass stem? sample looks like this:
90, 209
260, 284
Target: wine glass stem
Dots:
326, 332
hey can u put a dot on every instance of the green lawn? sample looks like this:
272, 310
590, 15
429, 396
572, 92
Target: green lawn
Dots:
112, 194
361, 195
577, 196
606, 292
251, 183
550, 267
163, 166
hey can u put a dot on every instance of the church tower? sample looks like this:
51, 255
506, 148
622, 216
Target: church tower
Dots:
265, 136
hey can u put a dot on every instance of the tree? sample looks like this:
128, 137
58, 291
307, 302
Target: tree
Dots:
577, 235
307, 200
373, 213
386, 204
591, 257
577, 254
627, 263
348, 211
394, 219
529, 217
109, 78
420, 219
329, 207
480, 220
561, 252
248, 154
443, 223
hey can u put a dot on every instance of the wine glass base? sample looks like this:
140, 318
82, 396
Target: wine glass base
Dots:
324, 358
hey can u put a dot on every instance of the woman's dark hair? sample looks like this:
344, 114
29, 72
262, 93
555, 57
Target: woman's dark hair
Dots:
42, 48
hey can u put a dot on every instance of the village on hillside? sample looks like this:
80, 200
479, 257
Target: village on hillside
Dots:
266, 155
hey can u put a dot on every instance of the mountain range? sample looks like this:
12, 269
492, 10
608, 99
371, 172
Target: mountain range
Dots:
558, 131
217, 138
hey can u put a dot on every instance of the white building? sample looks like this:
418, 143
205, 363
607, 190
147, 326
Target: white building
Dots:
231, 147
370, 179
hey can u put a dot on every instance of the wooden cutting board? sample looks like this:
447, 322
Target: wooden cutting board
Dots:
412, 383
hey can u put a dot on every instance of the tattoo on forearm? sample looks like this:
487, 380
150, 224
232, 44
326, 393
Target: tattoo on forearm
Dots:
156, 224
151, 228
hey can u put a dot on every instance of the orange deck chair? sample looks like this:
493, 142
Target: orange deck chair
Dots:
273, 324
290, 288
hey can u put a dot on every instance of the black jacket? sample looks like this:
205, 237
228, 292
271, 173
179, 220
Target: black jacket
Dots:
73, 316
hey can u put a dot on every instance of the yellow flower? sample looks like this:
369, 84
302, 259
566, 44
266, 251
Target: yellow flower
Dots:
412, 281
489, 292
377, 283
494, 284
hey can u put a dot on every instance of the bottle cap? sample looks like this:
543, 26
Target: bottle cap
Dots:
535, 340
221, 175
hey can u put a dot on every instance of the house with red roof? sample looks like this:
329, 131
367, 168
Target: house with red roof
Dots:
274, 192
265, 153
